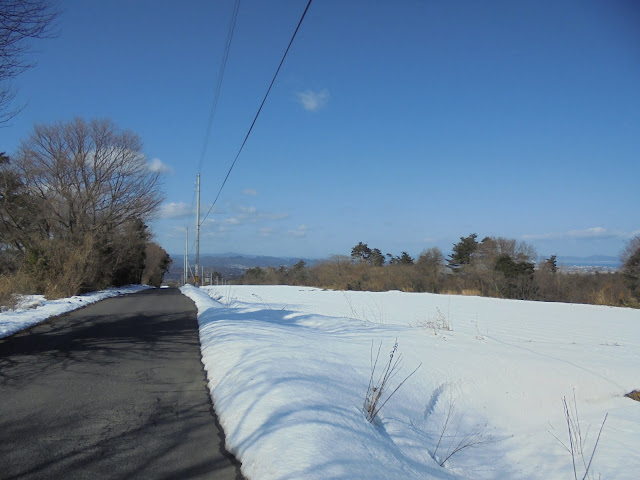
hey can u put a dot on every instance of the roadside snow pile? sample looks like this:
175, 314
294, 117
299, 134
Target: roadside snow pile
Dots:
33, 309
289, 367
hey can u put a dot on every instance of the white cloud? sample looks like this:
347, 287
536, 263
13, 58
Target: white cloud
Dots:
253, 215
247, 210
176, 210
250, 191
156, 165
272, 216
176, 232
313, 101
220, 232
300, 231
586, 233
241, 217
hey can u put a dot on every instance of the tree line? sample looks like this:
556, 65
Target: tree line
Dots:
492, 267
74, 200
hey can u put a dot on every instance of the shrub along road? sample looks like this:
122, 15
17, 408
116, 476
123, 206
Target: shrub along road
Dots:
114, 390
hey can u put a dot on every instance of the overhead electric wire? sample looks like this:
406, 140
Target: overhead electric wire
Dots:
216, 95
260, 109
214, 104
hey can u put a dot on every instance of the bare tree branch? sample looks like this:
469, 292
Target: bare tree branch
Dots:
20, 22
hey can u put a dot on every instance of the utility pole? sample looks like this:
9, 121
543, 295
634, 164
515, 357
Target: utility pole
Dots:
186, 257
197, 279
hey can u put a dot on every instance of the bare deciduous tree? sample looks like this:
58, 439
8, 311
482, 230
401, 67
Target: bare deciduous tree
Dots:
631, 248
20, 21
630, 259
88, 177
73, 202
493, 247
430, 263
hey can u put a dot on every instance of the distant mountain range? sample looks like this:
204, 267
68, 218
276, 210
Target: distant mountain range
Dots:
231, 265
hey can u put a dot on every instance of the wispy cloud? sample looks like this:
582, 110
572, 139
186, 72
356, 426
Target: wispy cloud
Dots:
156, 165
265, 232
176, 232
586, 233
217, 233
176, 210
250, 214
272, 216
300, 231
313, 101
247, 210
250, 191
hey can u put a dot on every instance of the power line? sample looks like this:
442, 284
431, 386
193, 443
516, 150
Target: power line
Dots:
259, 109
216, 95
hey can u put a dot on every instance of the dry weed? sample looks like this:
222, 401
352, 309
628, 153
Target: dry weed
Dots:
373, 400
576, 443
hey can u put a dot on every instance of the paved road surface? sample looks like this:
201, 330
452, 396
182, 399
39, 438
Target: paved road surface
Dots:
115, 390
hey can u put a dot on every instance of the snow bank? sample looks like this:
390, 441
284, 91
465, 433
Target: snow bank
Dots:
288, 369
34, 309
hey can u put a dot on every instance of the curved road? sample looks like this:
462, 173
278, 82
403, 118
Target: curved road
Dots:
112, 391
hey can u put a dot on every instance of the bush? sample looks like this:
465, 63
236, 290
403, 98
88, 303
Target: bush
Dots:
157, 263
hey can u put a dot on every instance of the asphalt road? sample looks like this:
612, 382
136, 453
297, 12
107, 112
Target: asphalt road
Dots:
112, 391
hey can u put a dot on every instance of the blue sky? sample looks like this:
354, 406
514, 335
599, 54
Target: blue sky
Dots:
402, 124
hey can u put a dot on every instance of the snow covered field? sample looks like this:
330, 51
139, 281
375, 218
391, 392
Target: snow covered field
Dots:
289, 367
34, 309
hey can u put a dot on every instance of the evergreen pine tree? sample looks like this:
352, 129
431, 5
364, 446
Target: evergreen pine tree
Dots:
377, 258
550, 264
361, 252
463, 250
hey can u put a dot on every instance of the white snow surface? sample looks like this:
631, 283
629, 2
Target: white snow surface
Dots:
288, 368
34, 309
